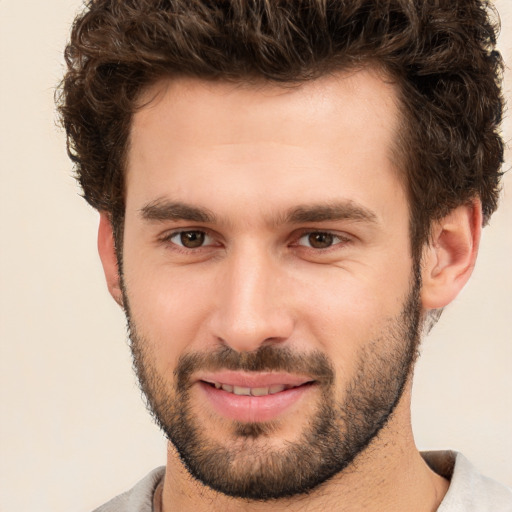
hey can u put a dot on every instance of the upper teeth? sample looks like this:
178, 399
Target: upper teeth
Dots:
239, 390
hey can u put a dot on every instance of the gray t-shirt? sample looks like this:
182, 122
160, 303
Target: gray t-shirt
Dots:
469, 491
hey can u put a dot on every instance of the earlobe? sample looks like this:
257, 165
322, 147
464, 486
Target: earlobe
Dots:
108, 256
450, 257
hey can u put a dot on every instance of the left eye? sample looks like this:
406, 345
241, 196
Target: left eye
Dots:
319, 240
191, 239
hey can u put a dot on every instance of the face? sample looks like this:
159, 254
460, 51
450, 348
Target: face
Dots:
267, 278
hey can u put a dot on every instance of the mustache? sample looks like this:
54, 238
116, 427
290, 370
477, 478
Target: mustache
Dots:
266, 359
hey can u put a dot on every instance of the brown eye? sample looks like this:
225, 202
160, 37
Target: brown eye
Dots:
320, 240
191, 239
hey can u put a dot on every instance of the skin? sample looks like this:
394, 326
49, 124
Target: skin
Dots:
250, 154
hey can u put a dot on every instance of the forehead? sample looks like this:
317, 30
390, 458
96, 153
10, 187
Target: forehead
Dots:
190, 132
356, 97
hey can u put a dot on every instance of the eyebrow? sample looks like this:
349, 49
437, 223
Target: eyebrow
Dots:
164, 210
343, 210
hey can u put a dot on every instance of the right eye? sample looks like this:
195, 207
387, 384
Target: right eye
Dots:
192, 239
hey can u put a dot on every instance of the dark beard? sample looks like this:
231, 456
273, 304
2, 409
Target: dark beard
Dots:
245, 466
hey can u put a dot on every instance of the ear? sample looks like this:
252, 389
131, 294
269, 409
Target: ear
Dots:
450, 257
108, 256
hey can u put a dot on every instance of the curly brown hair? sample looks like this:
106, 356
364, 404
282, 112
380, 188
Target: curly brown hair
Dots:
440, 52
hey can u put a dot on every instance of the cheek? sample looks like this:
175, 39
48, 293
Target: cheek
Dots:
168, 307
345, 312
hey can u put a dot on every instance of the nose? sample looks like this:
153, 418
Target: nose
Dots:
253, 308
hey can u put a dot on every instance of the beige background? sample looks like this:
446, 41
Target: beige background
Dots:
74, 431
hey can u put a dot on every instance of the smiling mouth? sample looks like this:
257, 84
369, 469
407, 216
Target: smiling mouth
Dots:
246, 397
254, 391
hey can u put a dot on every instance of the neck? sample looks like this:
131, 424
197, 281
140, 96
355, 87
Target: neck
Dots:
389, 475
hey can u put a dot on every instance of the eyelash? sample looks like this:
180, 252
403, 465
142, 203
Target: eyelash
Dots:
168, 239
340, 240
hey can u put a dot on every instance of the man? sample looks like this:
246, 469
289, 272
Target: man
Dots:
290, 193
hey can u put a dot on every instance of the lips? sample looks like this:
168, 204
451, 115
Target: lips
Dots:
253, 397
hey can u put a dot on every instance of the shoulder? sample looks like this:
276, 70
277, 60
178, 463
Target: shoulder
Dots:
469, 490
139, 498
